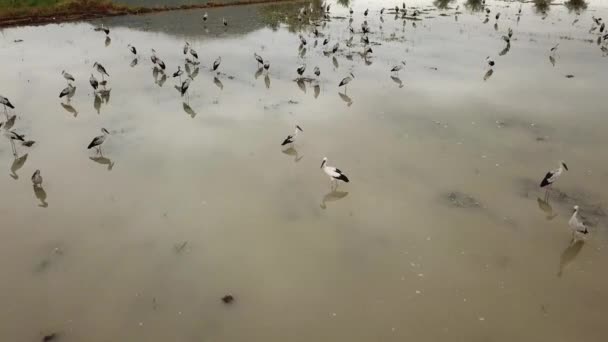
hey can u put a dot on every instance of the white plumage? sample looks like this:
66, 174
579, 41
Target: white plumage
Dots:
553, 175
98, 140
301, 69
346, 80
578, 227
37, 179
217, 62
67, 76
334, 173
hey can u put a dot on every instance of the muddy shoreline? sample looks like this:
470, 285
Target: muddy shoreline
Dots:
95, 13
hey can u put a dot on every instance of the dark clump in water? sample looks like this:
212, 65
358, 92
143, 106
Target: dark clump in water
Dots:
228, 299
461, 200
50, 337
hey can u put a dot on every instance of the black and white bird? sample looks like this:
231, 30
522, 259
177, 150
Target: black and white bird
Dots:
398, 67
292, 137
510, 32
300, 70
366, 12
179, 72
578, 227
367, 51
346, 80
67, 91
267, 65
335, 48
185, 85
365, 40
302, 40
507, 39
205, 16
67, 76
193, 53
258, 58
6, 103
325, 41
553, 175
132, 49
497, 15
334, 174
186, 48
351, 11
98, 140
102, 29
37, 179
317, 71
490, 61
160, 63
100, 69
217, 63
94, 83
225, 22
153, 57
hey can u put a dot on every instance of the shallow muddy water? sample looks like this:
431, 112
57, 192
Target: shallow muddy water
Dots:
441, 235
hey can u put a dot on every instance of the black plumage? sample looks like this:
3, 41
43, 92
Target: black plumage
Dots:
96, 141
547, 180
342, 177
287, 140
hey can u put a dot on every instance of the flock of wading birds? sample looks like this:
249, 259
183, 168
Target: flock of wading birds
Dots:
577, 226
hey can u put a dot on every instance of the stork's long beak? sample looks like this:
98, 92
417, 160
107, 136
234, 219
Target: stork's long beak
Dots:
298, 127
322, 163
565, 166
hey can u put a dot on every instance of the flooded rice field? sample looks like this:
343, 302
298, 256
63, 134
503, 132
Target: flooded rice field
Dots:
442, 233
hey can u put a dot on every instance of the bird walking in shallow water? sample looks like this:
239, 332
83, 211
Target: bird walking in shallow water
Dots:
334, 174
67, 76
346, 80
98, 140
37, 179
300, 70
578, 227
6, 103
100, 69
398, 67
291, 139
552, 176
216, 64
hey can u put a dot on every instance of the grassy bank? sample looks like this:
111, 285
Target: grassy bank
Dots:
33, 12
14, 12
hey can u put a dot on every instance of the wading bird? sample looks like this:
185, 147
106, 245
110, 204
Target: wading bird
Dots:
67, 91
334, 174
98, 140
292, 137
37, 179
258, 58
205, 16
67, 76
102, 29
217, 62
578, 227
225, 22
398, 67
100, 69
300, 70
94, 83
6, 103
552, 176
346, 80
132, 49
179, 72
317, 71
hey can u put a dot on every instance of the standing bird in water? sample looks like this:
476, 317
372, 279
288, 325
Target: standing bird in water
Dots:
179, 72
300, 70
225, 22
579, 230
6, 103
553, 175
102, 29
258, 58
217, 62
98, 140
346, 80
292, 137
205, 16
94, 83
398, 67
317, 71
100, 69
132, 49
334, 174
67, 76
186, 48
67, 91
37, 179
185, 85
